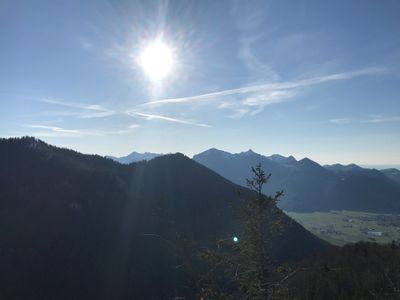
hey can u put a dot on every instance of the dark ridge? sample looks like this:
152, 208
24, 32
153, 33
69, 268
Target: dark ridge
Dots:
77, 226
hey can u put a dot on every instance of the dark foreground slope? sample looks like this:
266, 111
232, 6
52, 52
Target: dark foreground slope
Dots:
355, 271
75, 226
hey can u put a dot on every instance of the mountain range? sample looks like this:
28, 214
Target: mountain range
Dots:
309, 186
77, 226
134, 157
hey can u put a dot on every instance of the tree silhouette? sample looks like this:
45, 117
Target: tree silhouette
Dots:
243, 260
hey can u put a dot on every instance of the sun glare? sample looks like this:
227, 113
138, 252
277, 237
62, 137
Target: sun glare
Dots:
156, 60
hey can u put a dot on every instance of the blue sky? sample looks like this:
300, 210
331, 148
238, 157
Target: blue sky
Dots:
309, 78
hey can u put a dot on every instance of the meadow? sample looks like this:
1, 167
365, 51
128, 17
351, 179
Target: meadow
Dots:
342, 227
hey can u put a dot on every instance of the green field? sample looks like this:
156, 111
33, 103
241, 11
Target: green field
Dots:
342, 227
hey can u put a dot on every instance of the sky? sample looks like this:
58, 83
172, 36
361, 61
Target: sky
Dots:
317, 79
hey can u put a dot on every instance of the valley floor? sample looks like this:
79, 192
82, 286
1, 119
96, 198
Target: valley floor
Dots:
342, 227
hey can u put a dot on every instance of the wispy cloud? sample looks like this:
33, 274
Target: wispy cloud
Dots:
252, 99
54, 128
370, 120
341, 121
87, 111
249, 16
255, 103
239, 113
129, 129
258, 68
382, 119
239, 102
311, 107
86, 44
264, 99
267, 88
147, 116
54, 131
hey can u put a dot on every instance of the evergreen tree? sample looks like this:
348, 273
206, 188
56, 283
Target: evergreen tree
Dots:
244, 260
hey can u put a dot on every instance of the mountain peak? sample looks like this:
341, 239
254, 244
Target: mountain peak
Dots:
213, 152
309, 162
248, 152
338, 168
282, 159
134, 157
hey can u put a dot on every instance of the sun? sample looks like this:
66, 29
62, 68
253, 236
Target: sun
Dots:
156, 60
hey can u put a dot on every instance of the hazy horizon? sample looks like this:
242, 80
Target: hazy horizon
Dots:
297, 157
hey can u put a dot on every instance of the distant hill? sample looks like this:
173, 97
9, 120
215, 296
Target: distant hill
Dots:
345, 171
134, 157
392, 173
77, 226
309, 186
339, 168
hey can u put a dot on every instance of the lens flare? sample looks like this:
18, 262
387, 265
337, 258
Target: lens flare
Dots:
156, 60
